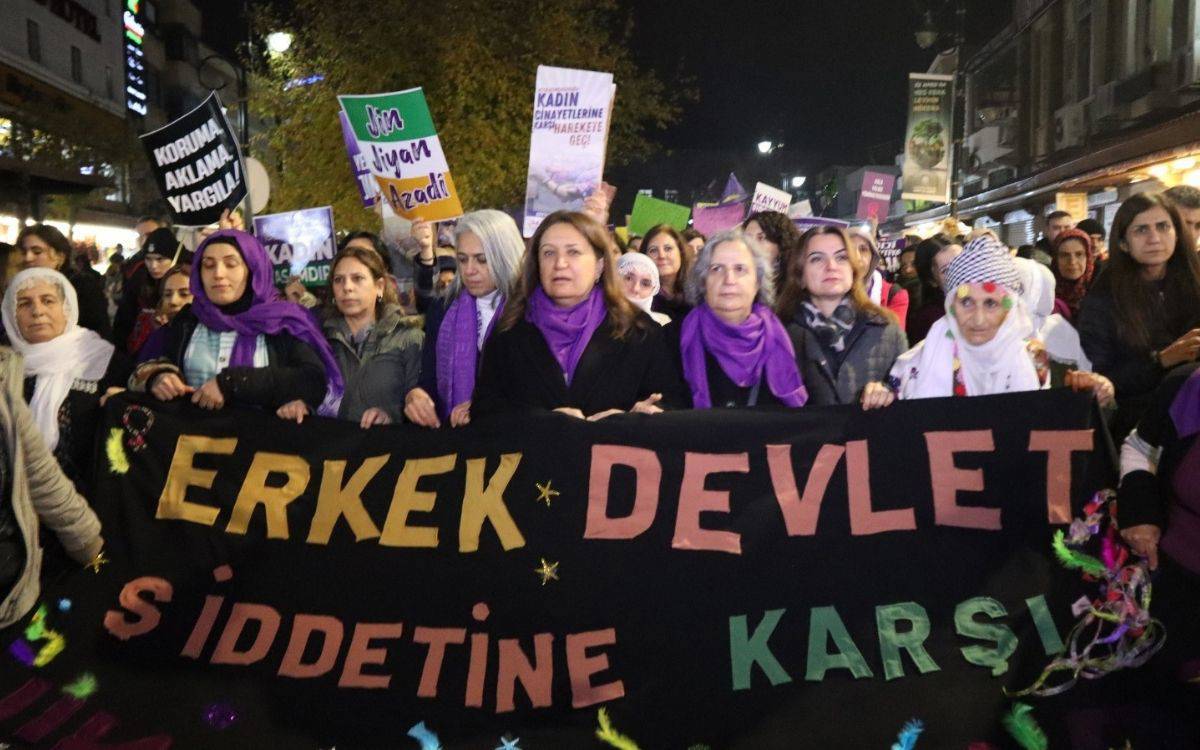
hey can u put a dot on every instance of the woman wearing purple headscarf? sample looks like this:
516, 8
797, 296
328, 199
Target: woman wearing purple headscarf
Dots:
569, 340
238, 343
733, 351
489, 249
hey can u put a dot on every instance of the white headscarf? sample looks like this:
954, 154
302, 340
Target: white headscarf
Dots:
1003, 364
641, 262
1057, 335
76, 353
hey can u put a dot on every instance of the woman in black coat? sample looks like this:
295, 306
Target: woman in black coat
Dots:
568, 340
1142, 317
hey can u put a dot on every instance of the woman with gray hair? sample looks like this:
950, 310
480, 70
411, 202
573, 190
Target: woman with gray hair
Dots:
489, 250
68, 368
732, 349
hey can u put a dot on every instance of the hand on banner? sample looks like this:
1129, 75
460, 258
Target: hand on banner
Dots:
1183, 349
112, 391
1143, 539
601, 415
1100, 386
374, 416
209, 396
294, 411
461, 414
570, 411
648, 406
169, 386
419, 408
877, 396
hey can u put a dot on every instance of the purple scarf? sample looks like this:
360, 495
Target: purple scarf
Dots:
743, 352
1185, 409
268, 315
567, 330
457, 351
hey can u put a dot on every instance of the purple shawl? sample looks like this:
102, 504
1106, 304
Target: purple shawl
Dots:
1185, 409
743, 352
567, 330
268, 315
458, 352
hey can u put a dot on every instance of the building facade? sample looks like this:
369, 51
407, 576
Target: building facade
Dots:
1077, 100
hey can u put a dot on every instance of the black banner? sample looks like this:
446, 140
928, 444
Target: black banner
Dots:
197, 164
720, 579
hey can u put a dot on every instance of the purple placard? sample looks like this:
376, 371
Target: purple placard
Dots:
876, 197
367, 188
708, 220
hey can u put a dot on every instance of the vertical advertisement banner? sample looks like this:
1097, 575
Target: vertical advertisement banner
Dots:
300, 243
572, 110
767, 198
1075, 204
876, 196
927, 142
395, 135
197, 164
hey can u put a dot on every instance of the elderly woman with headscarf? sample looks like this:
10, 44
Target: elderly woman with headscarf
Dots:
732, 349
489, 250
68, 368
1074, 268
568, 340
639, 279
985, 343
237, 343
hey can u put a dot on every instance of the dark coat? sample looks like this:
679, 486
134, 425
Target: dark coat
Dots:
676, 309
872, 346
385, 371
294, 370
434, 315
520, 373
93, 306
1132, 370
722, 391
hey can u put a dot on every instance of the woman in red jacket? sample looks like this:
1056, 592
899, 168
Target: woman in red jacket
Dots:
883, 293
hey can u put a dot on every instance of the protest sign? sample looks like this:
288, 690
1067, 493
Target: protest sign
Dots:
927, 153
368, 190
197, 164
800, 209
805, 223
710, 218
572, 110
767, 198
395, 136
300, 243
875, 198
730, 578
649, 212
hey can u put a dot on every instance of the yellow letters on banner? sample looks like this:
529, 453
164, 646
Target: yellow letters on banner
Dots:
274, 500
173, 504
406, 499
480, 504
336, 501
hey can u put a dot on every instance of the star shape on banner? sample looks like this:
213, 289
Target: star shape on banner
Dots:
97, 561
507, 744
548, 571
546, 493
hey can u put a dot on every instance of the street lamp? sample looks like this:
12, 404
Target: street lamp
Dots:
279, 42
797, 182
927, 34
765, 147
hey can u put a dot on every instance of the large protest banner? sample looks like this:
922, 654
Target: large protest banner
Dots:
732, 579
572, 110
300, 243
927, 153
197, 164
395, 134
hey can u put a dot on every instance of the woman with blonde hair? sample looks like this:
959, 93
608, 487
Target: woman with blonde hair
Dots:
846, 342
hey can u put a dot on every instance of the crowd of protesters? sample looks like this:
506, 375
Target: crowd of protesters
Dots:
441, 330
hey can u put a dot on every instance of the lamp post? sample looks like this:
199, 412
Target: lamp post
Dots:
243, 101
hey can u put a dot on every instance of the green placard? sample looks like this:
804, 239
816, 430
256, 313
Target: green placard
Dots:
649, 212
385, 118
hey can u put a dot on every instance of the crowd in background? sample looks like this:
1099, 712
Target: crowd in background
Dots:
469, 321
